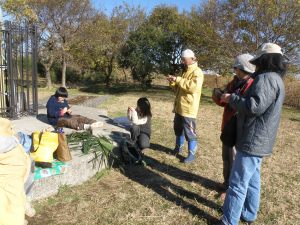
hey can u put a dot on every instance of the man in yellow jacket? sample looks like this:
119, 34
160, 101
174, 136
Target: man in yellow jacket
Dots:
188, 92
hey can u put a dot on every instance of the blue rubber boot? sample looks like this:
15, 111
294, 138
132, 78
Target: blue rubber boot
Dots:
179, 144
192, 151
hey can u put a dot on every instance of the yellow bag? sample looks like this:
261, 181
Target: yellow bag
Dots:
44, 144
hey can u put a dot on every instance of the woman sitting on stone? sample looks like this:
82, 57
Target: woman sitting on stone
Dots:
59, 113
141, 123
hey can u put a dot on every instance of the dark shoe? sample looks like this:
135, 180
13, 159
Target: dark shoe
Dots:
190, 158
247, 222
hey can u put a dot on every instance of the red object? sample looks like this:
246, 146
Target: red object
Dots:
62, 112
231, 88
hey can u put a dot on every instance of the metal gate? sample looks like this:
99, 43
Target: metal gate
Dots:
18, 70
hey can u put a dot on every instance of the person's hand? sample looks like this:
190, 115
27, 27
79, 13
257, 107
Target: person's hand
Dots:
64, 110
171, 78
225, 98
131, 109
69, 111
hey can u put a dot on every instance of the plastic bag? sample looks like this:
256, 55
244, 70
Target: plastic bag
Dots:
44, 144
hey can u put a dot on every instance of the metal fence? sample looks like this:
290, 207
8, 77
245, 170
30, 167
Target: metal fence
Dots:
18, 70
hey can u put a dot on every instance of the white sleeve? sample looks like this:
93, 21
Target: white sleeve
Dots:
136, 120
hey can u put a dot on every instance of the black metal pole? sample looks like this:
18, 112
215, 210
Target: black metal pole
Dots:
34, 69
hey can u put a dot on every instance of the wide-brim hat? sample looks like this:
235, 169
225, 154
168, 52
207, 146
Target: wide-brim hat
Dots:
6, 127
267, 48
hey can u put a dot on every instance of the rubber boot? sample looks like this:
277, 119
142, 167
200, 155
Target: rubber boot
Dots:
192, 145
179, 144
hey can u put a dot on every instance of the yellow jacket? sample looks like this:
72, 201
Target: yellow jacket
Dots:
188, 91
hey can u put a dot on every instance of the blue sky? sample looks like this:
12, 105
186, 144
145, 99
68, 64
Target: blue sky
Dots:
148, 5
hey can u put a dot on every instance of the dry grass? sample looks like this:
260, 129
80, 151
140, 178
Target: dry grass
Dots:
292, 88
169, 192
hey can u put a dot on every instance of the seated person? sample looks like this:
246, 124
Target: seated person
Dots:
141, 123
59, 113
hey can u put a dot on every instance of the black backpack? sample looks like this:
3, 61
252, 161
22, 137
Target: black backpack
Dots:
130, 152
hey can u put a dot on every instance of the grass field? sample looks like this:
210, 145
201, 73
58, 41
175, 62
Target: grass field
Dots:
169, 192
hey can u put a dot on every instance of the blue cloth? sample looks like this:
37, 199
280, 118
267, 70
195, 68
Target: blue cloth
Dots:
179, 141
192, 146
53, 109
243, 195
25, 140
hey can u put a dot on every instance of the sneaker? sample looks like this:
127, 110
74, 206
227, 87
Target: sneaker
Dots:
29, 210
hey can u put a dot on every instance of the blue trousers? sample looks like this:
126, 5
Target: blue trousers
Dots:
243, 195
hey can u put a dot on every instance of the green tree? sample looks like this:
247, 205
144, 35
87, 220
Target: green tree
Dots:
104, 37
224, 29
155, 47
139, 54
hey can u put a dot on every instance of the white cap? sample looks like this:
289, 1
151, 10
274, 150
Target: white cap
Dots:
188, 53
242, 62
267, 48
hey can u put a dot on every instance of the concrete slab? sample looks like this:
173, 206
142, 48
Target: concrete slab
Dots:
80, 169
28, 124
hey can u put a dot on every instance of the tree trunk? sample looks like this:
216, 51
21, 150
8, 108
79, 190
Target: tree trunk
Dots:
63, 71
125, 75
48, 75
109, 72
48, 78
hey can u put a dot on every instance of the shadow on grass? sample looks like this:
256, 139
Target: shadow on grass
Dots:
166, 150
295, 119
169, 191
178, 173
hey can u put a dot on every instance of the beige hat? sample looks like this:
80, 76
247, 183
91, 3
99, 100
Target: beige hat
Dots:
6, 127
188, 53
267, 48
242, 62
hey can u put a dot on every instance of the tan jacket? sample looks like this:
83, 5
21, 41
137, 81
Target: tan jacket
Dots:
188, 91
14, 170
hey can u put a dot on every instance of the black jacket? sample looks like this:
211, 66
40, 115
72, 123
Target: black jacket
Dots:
53, 109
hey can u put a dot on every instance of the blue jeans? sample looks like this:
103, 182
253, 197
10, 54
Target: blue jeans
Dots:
243, 194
